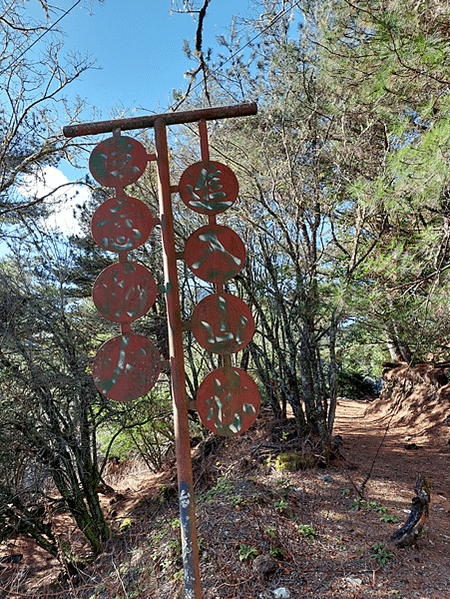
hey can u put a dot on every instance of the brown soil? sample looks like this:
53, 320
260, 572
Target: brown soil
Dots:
303, 520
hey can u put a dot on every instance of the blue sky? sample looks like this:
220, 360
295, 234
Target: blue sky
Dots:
138, 49
138, 46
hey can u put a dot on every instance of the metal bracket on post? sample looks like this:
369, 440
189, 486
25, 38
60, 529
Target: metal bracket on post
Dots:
171, 289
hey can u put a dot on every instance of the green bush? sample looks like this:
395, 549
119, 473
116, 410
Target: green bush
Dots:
353, 385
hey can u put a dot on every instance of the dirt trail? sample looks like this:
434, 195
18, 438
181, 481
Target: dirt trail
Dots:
404, 452
399, 453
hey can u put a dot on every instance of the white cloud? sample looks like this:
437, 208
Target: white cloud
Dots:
61, 195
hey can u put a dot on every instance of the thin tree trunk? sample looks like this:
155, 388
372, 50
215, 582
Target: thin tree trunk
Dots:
333, 379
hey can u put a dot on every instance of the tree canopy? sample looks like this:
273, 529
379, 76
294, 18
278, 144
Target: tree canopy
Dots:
343, 184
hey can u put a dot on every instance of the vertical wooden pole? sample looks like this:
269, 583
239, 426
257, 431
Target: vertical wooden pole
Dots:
179, 396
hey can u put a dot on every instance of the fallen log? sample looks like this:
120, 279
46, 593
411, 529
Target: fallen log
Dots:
408, 533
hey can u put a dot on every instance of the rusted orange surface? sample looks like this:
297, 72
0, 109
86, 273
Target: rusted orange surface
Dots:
124, 292
215, 253
222, 323
126, 367
228, 401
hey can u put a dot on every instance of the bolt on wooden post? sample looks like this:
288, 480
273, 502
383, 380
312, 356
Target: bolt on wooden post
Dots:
128, 365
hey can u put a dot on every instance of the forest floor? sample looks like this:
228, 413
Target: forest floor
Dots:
265, 533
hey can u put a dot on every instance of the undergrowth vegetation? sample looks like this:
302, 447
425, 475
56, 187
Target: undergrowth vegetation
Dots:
259, 528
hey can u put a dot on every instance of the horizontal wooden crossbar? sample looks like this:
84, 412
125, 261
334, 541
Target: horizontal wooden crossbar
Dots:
169, 118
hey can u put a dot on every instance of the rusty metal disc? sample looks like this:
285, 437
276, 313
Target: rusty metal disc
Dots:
228, 401
124, 292
208, 187
222, 323
122, 224
126, 367
118, 161
215, 253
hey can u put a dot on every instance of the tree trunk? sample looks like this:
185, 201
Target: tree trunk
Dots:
408, 533
333, 380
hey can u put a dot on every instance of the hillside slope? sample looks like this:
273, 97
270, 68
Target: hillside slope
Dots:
262, 529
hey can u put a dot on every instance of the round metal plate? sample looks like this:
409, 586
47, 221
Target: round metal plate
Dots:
228, 401
118, 161
208, 187
215, 253
222, 323
126, 367
122, 224
124, 292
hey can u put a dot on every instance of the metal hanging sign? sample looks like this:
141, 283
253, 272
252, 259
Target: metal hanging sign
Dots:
228, 401
215, 253
128, 365
222, 323
122, 224
208, 187
124, 292
118, 161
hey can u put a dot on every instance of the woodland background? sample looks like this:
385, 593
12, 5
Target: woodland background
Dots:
344, 209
